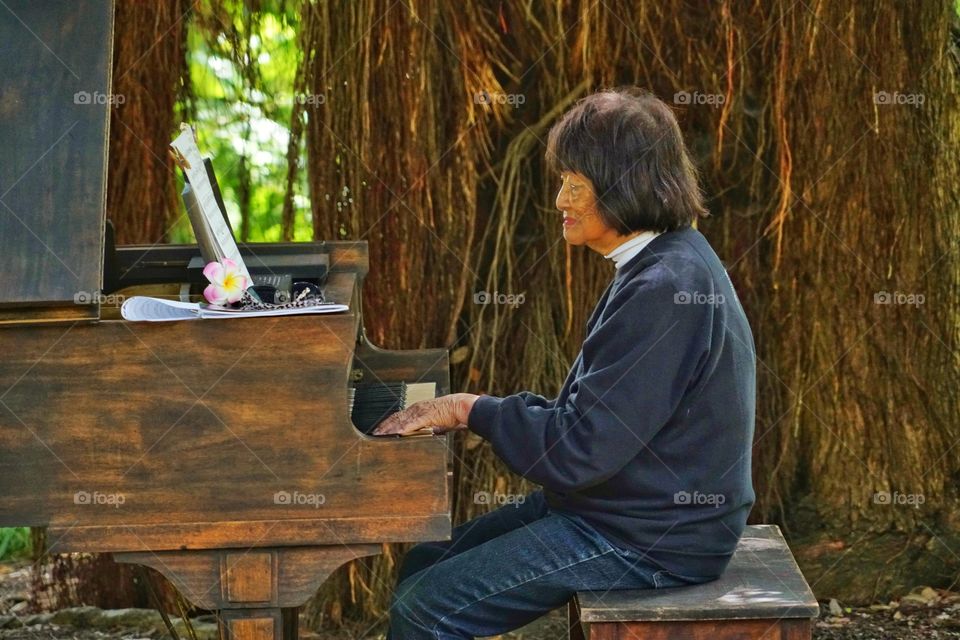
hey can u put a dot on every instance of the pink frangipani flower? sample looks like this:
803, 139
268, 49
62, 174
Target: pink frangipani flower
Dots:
227, 282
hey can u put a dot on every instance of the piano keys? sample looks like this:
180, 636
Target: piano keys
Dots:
372, 403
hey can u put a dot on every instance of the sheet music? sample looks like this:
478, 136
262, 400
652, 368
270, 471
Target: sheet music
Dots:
145, 308
158, 310
226, 247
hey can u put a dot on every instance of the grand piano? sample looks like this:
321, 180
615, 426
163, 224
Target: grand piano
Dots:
221, 453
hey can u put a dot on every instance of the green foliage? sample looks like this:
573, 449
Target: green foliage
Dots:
241, 98
14, 543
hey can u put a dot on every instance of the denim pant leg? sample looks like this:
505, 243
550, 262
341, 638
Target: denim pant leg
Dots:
471, 534
513, 579
474, 532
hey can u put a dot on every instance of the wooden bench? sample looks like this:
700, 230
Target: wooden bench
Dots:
762, 594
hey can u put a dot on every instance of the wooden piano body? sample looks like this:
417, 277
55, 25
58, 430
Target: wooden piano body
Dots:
220, 453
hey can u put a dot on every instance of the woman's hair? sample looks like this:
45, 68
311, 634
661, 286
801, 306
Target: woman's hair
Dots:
627, 142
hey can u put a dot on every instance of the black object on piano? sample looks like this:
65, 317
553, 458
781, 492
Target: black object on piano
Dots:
303, 266
273, 288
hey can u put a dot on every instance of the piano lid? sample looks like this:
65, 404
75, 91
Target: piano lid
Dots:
54, 122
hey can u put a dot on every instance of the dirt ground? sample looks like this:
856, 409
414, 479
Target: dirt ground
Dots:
924, 614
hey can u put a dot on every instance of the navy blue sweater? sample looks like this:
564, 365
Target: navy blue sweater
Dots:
650, 438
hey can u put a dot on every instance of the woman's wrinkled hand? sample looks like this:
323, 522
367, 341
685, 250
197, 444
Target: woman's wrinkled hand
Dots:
437, 415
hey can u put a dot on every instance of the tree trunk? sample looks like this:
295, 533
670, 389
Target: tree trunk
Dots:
826, 134
148, 65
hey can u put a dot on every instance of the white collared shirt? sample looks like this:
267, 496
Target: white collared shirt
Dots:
622, 254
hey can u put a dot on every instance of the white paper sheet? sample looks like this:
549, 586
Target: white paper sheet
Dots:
186, 145
145, 308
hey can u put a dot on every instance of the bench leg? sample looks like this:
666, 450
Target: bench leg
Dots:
574, 627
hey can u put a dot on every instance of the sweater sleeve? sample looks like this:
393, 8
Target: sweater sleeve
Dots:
533, 400
638, 361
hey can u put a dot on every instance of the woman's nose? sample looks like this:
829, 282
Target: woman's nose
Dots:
563, 200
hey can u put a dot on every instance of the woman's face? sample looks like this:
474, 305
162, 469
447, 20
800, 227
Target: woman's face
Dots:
582, 224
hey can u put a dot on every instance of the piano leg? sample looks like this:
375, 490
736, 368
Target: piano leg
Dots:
255, 592
275, 623
291, 622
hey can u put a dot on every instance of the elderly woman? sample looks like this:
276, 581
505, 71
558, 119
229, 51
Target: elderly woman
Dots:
644, 456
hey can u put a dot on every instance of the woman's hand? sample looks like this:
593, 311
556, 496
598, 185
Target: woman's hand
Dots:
438, 415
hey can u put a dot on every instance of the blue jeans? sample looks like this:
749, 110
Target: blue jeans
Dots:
507, 568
